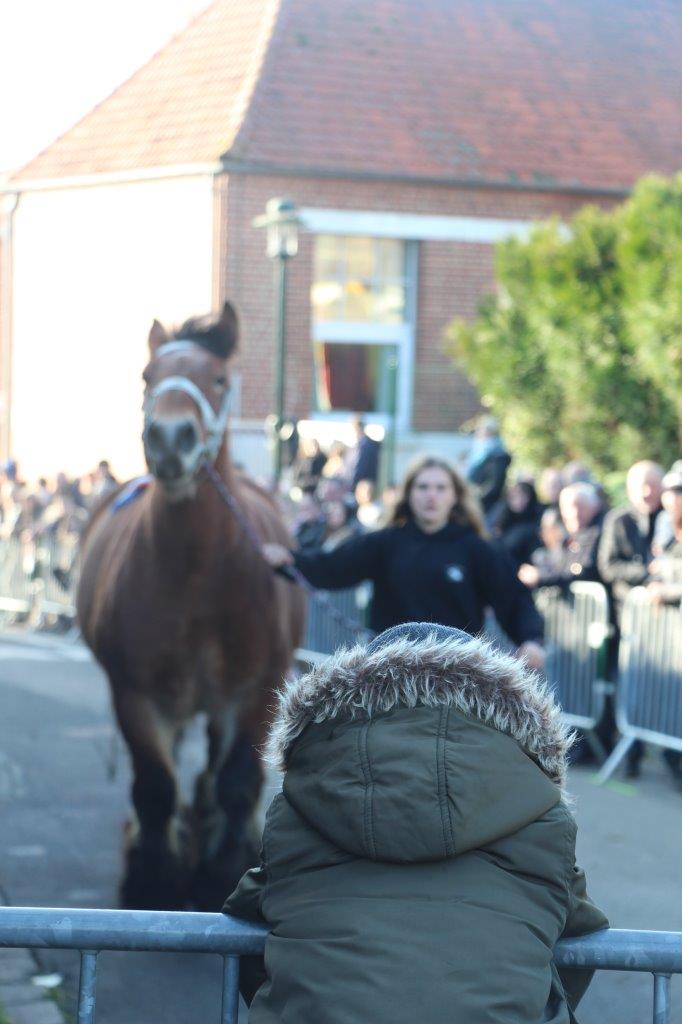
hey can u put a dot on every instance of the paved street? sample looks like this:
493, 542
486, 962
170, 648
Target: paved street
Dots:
61, 834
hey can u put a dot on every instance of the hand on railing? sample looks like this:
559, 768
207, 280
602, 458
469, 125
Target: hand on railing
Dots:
529, 575
532, 655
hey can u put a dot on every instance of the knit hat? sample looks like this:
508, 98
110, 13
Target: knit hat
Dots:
417, 632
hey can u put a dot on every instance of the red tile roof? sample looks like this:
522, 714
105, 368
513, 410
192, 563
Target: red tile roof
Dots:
553, 93
183, 107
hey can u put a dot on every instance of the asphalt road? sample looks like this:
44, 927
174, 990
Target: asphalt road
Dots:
60, 839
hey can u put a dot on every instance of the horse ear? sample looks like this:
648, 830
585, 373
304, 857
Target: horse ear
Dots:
157, 336
229, 325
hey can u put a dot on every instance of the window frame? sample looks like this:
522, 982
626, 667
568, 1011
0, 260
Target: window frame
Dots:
368, 332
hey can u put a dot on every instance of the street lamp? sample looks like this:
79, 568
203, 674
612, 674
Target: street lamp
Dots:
281, 222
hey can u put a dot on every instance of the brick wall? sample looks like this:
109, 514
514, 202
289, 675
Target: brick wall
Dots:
452, 277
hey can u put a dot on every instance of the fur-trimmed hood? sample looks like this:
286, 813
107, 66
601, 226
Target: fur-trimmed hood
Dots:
420, 750
473, 677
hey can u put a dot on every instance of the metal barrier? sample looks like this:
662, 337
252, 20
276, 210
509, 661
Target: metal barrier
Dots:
326, 632
17, 568
30, 574
577, 628
649, 691
57, 556
92, 931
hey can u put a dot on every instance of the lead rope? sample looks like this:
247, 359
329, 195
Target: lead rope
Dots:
289, 571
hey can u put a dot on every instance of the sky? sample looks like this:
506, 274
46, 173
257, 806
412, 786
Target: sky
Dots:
59, 58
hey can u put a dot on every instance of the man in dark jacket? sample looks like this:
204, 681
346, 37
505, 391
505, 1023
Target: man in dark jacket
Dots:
419, 863
625, 547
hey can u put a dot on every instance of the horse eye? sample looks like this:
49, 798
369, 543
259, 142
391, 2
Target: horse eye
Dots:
220, 382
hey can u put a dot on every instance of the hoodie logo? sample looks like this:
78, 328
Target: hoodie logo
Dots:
454, 573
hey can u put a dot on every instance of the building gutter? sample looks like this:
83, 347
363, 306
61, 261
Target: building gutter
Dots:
235, 166
128, 177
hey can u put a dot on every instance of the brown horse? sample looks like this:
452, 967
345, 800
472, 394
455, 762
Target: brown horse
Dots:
185, 616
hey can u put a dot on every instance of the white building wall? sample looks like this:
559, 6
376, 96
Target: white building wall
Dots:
93, 266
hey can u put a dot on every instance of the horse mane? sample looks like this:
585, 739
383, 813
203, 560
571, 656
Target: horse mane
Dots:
211, 332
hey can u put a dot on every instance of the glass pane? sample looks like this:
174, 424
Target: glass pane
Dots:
390, 260
328, 300
360, 279
328, 251
389, 304
360, 258
355, 378
359, 300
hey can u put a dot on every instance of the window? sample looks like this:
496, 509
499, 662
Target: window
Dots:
359, 279
355, 376
361, 299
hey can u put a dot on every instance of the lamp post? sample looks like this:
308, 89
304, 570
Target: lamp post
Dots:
281, 222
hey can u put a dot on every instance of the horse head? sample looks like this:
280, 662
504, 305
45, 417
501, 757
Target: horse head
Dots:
187, 396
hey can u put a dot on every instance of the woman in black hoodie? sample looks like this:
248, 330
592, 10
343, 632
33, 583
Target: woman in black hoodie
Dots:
430, 564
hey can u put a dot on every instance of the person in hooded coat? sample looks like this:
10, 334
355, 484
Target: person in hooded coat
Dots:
419, 863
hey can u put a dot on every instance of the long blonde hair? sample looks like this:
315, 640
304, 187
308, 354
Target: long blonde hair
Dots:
466, 511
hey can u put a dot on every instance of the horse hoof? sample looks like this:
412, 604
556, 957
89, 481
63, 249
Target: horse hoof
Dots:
154, 880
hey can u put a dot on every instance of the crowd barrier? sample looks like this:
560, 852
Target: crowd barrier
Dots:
649, 691
33, 574
334, 619
577, 630
93, 931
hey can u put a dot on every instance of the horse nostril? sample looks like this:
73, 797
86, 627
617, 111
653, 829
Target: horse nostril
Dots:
186, 437
155, 436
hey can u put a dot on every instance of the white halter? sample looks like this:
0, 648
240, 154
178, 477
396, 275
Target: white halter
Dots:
214, 423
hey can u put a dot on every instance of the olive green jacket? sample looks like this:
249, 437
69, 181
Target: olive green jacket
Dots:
419, 864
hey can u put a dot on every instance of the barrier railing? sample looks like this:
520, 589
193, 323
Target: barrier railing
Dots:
17, 566
326, 632
37, 577
576, 633
93, 931
649, 691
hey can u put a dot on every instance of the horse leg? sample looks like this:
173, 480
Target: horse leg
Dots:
156, 872
227, 798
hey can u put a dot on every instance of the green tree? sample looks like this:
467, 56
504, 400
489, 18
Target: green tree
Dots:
579, 352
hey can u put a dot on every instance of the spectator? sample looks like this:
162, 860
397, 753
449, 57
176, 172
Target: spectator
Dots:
341, 523
577, 473
517, 522
104, 483
335, 466
549, 555
332, 488
623, 558
625, 546
43, 492
666, 570
369, 511
550, 486
362, 460
663, 533
310, 526
422, 789
309, 464
580, 508
488, 463
430, 564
